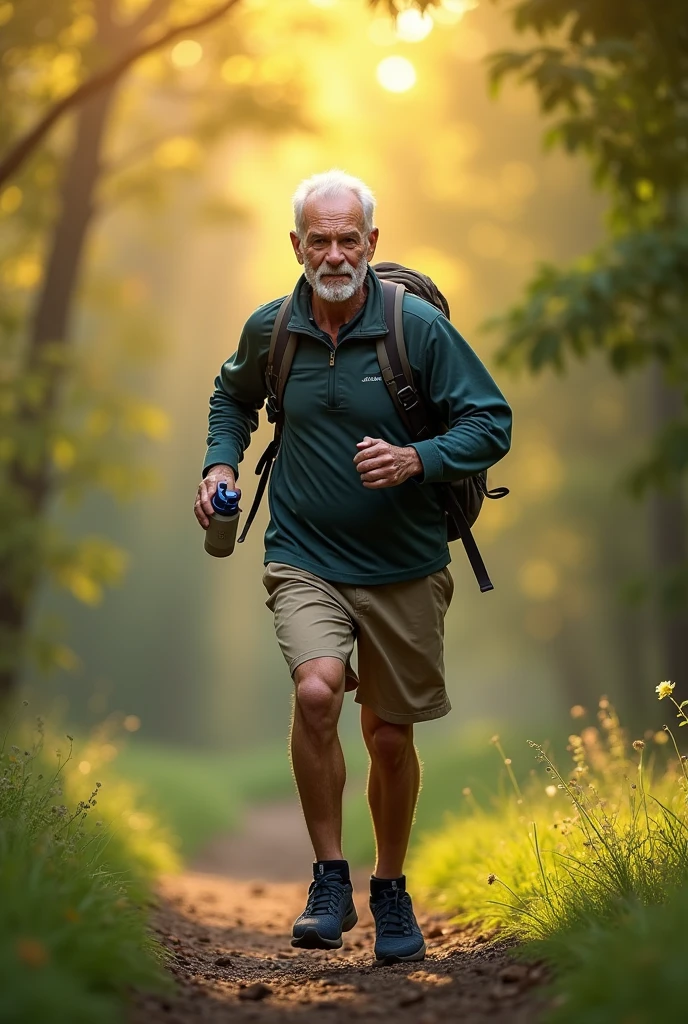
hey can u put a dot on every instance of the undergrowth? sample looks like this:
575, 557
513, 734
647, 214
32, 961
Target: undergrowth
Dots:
74, 878
588, 867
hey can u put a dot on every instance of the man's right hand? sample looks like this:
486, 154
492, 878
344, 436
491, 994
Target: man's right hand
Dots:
203, 508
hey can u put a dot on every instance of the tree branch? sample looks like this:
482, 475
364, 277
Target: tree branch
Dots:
149, 15
25, 146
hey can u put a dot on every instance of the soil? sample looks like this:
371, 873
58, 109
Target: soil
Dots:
227, 925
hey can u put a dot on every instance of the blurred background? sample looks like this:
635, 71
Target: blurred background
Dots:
140, 231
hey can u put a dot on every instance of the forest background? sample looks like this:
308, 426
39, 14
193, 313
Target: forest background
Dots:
179, 181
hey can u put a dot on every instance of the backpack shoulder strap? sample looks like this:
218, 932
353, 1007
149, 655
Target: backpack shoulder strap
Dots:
395, 367
397, 375
280, 356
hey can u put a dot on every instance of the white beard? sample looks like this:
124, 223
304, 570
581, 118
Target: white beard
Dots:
336, 291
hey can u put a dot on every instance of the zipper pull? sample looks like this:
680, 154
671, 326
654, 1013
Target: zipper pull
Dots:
332, 358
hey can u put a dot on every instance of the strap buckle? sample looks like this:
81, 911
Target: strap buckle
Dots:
408, 397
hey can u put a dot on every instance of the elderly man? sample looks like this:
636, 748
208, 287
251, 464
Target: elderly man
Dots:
356, 547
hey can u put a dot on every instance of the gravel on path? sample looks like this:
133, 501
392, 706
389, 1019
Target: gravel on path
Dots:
231, 957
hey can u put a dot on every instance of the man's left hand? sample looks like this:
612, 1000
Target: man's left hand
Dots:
384, 465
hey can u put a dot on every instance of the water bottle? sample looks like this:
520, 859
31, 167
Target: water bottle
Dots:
221, 534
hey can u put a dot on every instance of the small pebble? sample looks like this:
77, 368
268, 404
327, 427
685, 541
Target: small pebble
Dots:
255, 992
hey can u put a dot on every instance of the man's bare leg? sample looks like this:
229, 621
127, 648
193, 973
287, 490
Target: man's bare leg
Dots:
393, 785
316, 753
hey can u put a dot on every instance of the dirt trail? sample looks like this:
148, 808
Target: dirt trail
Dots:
228, 924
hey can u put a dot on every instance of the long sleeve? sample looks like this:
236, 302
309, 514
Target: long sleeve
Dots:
467, 400
239, 394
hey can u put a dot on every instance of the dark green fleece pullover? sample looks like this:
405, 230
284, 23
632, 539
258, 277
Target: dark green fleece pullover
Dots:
322, 517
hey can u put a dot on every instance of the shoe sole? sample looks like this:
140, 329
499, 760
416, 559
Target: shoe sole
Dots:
312, 939
394, 958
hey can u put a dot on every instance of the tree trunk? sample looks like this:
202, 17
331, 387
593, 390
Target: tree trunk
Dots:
50, 327
669, 539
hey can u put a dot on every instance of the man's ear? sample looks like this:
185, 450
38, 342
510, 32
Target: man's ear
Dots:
296, 242
372, 243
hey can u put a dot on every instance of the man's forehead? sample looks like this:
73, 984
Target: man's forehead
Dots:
333, 213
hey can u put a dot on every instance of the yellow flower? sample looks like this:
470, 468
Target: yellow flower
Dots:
665, 689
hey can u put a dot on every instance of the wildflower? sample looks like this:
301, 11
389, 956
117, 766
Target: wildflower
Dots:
578, 711
664, 689
551, 790
684, 758
32, 952
491, 879
494, 739
507, 760
638, 744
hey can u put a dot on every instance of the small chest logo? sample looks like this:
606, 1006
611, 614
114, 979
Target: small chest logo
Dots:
368, 380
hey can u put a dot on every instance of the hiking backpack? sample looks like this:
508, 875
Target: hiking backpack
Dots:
462, 499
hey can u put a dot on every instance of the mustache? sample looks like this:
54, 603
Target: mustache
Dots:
341, 270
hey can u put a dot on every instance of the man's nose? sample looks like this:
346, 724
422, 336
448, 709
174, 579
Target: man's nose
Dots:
335, 256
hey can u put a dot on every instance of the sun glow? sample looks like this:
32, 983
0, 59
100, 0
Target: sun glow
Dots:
396, 74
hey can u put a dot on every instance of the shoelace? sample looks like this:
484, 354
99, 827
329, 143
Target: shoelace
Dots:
324, 894
394, 913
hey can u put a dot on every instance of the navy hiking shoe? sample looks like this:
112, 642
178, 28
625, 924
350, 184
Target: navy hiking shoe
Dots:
397, 935
329, 910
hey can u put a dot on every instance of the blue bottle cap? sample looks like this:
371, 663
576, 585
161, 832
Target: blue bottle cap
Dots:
225, 502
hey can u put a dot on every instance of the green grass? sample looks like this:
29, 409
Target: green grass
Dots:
633, 972
202, 794
75, 870
587, 867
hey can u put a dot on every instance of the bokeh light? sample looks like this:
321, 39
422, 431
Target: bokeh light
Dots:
412, 26
538, 579
396, 74
11, 199
186, 53
237, 69
451, 11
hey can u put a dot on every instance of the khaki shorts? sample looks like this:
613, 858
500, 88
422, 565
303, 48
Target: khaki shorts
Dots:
399, 629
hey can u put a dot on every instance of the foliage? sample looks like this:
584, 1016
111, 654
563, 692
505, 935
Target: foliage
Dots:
73, 934
613, 77
570, 881
70, 417
630, 972
623, 837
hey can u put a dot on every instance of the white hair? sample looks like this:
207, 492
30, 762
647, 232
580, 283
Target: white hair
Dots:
329, 184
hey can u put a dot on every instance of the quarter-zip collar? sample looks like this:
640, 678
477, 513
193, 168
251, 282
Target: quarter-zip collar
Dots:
369, 321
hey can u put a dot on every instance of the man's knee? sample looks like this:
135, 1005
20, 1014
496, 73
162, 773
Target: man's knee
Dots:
390, 744
318, 691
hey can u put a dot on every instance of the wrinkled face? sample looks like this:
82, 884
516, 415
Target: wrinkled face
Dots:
334, 249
